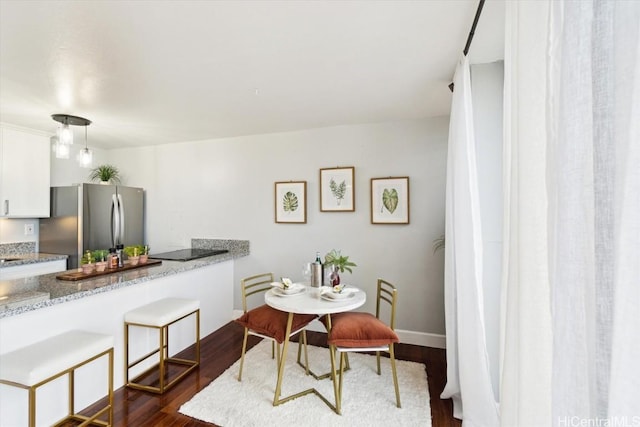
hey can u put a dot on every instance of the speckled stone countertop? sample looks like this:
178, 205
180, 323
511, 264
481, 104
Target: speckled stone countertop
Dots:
22, 259
22, 253
30, 293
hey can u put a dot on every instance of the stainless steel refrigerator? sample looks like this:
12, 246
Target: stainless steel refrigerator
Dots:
92, 216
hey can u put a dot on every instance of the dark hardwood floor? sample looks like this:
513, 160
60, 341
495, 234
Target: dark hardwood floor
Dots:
220, 350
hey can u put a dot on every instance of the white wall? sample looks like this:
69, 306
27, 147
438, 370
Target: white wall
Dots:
68, 171
487, 82
12, 230
225, 189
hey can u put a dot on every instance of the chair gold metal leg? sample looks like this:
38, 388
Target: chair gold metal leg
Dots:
378, 361
395, 375
303, 342
342, 363
244, 350
273, 349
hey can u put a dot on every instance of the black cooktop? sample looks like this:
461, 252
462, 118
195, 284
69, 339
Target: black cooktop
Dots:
188, 254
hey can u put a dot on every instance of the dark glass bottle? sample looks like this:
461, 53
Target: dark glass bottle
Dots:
119, 249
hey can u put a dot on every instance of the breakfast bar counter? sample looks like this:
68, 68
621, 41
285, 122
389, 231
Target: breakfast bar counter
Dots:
98, 304
62, 291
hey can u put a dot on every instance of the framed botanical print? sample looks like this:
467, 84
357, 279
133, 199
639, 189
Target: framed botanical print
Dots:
291, 202
390, 200
337, 189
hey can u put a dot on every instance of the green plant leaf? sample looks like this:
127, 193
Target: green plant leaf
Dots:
100, 254
105, 173
338, 191
342, 263
390, 199
290, 202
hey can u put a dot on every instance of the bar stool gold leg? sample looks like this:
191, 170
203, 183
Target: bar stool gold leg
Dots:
32, 407
162, 357
165, 378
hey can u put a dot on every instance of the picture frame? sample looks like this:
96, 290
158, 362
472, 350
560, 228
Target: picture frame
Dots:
390, 200
291, 202
337, 189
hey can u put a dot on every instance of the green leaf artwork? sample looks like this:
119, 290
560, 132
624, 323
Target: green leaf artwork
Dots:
389, 200
290, 202
338, 190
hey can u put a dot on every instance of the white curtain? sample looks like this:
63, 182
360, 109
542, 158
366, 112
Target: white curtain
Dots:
594, 210
526, 315
571, 284
468, 377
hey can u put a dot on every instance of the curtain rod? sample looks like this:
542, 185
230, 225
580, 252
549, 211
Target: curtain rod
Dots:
471, 33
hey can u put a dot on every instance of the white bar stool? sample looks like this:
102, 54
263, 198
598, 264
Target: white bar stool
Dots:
37, 364
160, 315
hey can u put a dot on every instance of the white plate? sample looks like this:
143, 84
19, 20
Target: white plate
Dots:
338, 295
293, 288
281, 293
326, 297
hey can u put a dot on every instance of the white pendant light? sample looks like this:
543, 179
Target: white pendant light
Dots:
65, 138
85, 156
61, 150
65, 134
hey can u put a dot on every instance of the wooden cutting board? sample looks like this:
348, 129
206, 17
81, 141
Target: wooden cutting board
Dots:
77, 274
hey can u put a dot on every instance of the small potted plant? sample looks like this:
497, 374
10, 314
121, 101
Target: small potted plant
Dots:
133, 254
100, 256
338, 263
86, 263
143, 250
105, 174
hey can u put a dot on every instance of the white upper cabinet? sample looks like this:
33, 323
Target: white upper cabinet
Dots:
24, 174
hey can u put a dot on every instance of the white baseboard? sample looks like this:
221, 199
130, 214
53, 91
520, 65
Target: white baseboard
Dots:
407, 337
422, 338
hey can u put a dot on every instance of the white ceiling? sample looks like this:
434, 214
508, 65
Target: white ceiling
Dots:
154, 72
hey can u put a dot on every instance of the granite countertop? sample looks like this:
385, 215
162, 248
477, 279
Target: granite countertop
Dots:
33, 258
33, 293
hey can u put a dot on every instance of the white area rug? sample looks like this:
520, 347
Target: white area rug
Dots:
368, 399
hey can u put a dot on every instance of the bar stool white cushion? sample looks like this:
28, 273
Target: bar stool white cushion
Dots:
162, 312
39, 361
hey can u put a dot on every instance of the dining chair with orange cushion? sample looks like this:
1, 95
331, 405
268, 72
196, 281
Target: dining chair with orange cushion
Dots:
364, 332
267, 322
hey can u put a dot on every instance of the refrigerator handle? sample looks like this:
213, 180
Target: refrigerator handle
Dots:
121, 214
115, 221
6, 207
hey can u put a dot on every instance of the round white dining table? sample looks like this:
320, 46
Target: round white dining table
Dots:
311, 302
